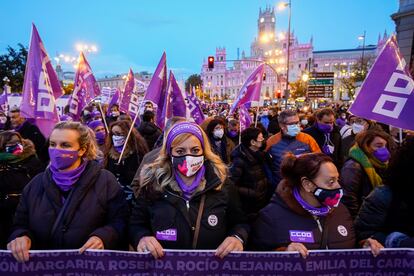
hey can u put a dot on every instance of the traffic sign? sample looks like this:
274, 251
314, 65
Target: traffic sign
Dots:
321, 75
315, 95
321, 81
320, 88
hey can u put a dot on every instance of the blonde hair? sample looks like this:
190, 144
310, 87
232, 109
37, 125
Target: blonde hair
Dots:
86, 139
158, 175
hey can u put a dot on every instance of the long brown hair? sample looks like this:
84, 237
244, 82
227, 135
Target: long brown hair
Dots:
5, 137
136, 143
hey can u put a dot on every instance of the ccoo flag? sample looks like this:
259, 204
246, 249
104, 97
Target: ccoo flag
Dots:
387, 93
156, 91
244, 117
174, 104
41, 87
195, 108
86, 88
250, 92
129, 100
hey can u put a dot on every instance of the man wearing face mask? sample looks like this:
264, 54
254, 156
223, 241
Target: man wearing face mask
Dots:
220, 144
289, 139
326, 134
306, 211
358, 125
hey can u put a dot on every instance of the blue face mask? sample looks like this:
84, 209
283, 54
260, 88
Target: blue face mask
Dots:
293, 130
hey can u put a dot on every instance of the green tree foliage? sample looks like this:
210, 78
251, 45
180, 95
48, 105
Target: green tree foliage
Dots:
12, 66
193, 80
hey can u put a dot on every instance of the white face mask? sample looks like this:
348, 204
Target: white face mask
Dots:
115, 113
118, 140
218, 133
357, 128
3, 120
187, 165
304, 122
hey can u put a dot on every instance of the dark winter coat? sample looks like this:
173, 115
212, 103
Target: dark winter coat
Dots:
272, 229
335, 138
150, 132
384, 211
95, 206
247, 172
13, 178
273, 126
166, 211
224, 150
356, 184
30, 131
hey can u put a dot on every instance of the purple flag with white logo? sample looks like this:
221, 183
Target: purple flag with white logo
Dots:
114, 100
129, 101
195, 108
41, 87
387, 93
250, 92
86, 88
156, 92
4, 103
244, 117
174, 104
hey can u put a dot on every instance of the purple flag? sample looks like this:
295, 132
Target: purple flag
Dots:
114, 100
157, 88
174, 104
386, 94
250, 92
4, 103
244, 117
129, 100
41, 87
195, 108
86, 88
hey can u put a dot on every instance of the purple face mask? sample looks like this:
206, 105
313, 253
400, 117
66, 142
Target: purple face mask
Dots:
62, 159
325, 128
382, 154
100, 137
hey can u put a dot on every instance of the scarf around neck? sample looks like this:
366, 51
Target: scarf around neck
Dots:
369, 165
189, 190
66, 180
315, 211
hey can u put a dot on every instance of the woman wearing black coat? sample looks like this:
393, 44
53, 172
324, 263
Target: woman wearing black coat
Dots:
135, 149
305, 212
247, 171
387, 213
185, 200
74, 203
18, 165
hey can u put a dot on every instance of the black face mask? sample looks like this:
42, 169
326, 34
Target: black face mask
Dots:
326, 197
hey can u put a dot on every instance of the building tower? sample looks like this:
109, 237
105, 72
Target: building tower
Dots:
266, 32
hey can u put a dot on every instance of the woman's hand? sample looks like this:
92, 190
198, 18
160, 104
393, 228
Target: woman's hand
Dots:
299, 247
152, 245
374, 245
228, 245
20, 247
93, 242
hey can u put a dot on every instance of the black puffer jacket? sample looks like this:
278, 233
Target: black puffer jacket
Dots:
150, 132
13, 178
166, 211
384, 212
272, 230
247, 172
96, 206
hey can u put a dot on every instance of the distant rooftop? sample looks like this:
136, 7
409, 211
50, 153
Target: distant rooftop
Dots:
369, 47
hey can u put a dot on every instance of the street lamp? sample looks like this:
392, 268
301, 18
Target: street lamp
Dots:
282, 6
86, 48
362, 37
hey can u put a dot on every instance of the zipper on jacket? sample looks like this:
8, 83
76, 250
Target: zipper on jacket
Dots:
319, 224
187, 203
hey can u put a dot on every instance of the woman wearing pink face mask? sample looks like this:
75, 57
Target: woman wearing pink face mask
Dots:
18, 165
185, 200
74, 204
305, 212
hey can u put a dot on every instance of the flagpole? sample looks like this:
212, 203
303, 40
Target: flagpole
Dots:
126, 140
257, 115
239, 127
103, 117
400, 134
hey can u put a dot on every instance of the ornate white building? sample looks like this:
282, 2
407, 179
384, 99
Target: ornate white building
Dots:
227, 77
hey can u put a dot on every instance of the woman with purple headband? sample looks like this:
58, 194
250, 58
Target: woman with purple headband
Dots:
305, 212
185, 200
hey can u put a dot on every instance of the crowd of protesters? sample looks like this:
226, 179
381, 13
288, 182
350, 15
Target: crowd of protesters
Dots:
107, 183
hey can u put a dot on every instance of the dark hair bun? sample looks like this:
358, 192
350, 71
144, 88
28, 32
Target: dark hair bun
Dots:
287, 167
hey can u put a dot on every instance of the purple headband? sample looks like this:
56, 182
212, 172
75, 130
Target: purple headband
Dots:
184, 127
94, 124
